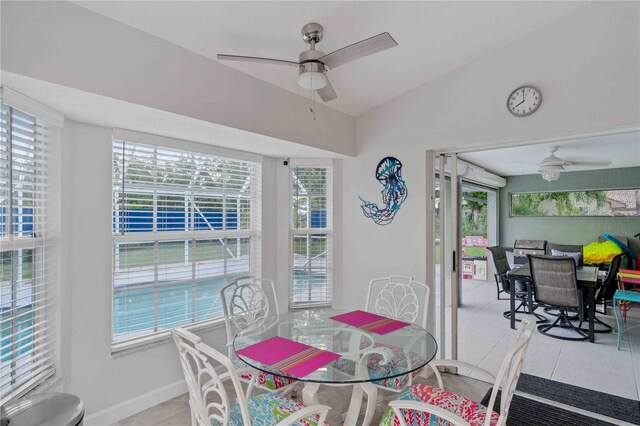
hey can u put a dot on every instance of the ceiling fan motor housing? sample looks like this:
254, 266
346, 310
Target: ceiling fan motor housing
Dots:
312, 32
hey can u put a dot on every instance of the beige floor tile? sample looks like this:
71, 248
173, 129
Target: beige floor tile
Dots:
180, 418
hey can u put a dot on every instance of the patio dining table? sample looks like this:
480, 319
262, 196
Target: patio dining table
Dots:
587, 277
316, 328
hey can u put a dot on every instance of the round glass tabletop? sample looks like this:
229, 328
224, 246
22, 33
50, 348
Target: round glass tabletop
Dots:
364, 356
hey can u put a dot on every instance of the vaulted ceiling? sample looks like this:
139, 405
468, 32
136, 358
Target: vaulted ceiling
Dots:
433, 38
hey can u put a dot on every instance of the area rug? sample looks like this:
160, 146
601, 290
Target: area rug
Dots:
526, 412
613, 406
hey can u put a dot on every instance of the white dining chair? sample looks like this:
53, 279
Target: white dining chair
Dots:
418, 403
209, 401
404, 299
399, 297
250, 306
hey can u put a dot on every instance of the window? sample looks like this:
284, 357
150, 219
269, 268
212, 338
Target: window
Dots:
184, 225
310, 237
27, 352
617, 202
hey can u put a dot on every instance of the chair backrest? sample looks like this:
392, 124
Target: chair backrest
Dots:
208, 398
249, 306
566, 248
554, 280
399, 297
500, 261
510, 369
401, 279
610, 282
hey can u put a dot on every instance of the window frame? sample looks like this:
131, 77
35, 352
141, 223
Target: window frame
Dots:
575, 203
328, 231
188, 236
43, 349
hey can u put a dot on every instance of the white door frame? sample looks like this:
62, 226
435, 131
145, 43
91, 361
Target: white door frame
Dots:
449, 212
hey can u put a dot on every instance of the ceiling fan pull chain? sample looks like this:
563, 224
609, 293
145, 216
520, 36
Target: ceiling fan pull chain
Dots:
312, 102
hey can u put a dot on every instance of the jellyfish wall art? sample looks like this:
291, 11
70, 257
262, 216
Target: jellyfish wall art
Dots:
394, 192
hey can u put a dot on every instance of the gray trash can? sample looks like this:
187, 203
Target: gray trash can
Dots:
51, 409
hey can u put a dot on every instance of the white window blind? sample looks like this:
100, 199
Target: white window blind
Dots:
27, 347
311, 260
184, 225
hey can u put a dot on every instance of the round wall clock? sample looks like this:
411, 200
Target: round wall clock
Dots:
524, 101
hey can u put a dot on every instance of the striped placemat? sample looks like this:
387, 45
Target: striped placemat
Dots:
287, 356
370, 322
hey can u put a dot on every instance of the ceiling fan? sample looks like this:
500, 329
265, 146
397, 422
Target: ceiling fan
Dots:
552, 166
313, 64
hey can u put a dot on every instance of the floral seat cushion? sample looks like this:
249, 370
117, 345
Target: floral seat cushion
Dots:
396, 366
269, 381
473, 412
270, 409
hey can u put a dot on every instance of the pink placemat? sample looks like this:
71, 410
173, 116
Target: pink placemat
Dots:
370, 322
288, 356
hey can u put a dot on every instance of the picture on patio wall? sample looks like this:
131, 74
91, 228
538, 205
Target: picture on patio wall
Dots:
394, 192
608, 203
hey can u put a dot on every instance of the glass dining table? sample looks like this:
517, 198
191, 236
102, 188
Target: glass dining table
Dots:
366, 358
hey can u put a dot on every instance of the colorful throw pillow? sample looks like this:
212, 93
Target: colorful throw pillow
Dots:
573, 254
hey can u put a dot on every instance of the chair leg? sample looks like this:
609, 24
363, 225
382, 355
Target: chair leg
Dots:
498, 290
619, 322
563, 321
540, 319
250, 386
507, 314
606, 329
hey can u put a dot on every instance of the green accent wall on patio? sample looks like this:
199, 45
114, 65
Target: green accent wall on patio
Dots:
578, 230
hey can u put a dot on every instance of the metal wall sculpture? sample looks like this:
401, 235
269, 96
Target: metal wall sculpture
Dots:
388, 173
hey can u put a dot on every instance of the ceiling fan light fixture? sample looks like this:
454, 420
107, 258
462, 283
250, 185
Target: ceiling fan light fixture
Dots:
551, 173
312, 80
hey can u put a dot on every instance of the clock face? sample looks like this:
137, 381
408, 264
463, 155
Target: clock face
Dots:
524, 101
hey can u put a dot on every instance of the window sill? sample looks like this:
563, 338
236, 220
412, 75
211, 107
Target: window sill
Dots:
148, 342
310, 305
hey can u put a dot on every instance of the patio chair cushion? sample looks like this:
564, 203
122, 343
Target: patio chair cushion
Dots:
266, 380
376, 370
473, 412
269, 409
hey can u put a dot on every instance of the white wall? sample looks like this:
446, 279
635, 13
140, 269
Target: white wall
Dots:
63, 43
587, 66
113, 387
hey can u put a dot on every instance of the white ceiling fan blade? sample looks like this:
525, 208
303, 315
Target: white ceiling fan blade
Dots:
257, 59
359, 50
585, 161
327, 93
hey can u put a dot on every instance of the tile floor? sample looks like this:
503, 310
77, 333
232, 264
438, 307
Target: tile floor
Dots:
484, 336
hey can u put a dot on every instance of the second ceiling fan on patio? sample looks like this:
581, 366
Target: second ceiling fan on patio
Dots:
552, 166
313, 64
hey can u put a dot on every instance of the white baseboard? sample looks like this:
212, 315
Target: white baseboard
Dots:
114, 414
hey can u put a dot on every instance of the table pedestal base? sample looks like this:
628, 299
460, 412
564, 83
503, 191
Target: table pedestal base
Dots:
310, 397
